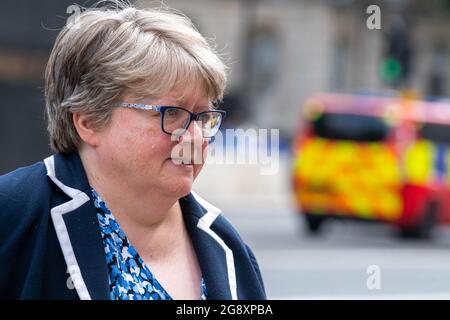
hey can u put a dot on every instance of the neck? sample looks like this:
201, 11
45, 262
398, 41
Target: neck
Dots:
144, 215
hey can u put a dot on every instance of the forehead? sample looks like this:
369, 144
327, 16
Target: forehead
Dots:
187, 98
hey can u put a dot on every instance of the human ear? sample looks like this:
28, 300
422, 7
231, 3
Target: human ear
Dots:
85, 129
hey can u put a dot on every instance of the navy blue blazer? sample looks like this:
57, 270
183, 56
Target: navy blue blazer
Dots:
51, 245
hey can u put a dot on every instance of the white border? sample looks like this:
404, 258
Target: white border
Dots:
204, 224
78, 199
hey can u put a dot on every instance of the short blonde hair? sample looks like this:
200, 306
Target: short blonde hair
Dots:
105, 53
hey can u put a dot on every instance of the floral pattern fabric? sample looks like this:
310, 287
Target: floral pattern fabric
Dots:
129, 277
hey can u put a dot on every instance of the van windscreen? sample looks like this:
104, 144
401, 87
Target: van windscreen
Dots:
436, 132
350, 127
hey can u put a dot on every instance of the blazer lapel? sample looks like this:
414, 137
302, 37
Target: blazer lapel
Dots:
215, 259
83, 229
77, 228
80, 239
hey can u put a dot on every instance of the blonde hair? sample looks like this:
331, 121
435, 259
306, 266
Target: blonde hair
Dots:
104, 53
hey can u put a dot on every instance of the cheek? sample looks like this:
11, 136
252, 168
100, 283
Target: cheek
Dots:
198, 167
142, 136
137, 146
147, 147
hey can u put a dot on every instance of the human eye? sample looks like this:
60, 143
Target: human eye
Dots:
205, 116
173, 112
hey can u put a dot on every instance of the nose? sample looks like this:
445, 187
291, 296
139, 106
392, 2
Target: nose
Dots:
194, 141
193, 134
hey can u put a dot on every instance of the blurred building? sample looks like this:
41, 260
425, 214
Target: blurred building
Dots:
279, 52
282, 51
28, 30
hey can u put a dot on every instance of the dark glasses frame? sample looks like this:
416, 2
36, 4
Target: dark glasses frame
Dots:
193, 116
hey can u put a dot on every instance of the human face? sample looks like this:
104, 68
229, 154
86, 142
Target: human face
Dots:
135, 150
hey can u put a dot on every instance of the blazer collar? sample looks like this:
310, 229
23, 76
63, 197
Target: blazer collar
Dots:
215, 258
79, 235
77, 228
69, 171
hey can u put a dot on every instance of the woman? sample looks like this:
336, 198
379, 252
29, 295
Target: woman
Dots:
112, 215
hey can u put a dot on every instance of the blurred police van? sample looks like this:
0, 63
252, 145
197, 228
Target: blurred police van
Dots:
373, 158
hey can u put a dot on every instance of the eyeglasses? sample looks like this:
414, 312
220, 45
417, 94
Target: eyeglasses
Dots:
177, 119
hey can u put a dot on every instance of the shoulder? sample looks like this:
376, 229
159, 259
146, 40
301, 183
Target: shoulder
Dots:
245, 261
231, 235
21, 195
214, 218
23, 224
20, 184
223, 247
227, 232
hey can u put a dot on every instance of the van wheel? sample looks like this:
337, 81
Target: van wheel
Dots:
423, 229
313, 222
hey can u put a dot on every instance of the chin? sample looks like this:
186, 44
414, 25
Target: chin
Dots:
181, 188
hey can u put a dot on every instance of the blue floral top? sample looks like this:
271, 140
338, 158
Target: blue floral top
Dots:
129, 277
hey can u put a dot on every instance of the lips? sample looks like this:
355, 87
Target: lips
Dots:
181, 161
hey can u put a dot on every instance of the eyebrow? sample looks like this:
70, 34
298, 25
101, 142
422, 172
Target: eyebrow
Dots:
181, 103
196, 107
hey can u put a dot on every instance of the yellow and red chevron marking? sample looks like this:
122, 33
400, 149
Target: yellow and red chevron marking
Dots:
345, 177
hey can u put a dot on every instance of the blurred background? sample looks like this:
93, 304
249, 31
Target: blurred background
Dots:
280, 53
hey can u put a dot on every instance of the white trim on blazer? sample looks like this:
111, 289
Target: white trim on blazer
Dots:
205, 224
78, 199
